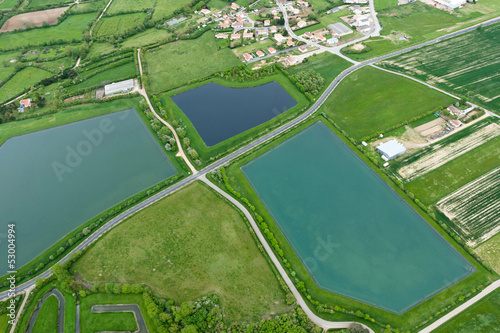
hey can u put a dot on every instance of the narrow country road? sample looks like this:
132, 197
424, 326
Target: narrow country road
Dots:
269, 136
325, 324
143, 93
134, 308
60, 318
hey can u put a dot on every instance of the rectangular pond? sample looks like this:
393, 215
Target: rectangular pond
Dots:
354, 234
56, 179
219, 113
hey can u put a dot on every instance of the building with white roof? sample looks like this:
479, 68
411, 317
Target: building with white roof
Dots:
391, 149
118, 87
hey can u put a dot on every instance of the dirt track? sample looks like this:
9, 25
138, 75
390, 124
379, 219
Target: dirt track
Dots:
33, 19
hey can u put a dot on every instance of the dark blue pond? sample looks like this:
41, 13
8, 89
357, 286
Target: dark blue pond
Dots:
219, 113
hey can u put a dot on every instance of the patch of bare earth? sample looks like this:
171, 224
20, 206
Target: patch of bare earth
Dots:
36, 19
358, 47
441, 155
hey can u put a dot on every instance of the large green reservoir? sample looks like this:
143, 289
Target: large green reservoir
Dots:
354, 234
54, 180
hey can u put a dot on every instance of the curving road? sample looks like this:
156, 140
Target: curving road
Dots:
60, 319
25, 286
134, 308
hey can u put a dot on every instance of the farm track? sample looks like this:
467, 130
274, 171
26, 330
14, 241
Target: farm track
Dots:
476, 207
244, 150
440, 155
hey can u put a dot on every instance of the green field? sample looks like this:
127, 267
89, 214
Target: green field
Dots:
7, 4
119, 6
370, 101
383, 4
24, 79
328, 65
254, 47
70, 29
47, 317
175, 64
324, 5
482, 317
147, 37
310, 28
40, 3
114, 74
108, 26
444, 180
185, 251
422, 22
70, 115
490, 252
442, 65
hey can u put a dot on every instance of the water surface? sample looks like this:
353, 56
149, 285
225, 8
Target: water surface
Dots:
219, 113
354, 234
56, 179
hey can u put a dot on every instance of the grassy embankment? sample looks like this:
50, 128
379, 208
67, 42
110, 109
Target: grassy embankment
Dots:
421, 22
370, 101
176, 64
406, 321
189, 251
490, 251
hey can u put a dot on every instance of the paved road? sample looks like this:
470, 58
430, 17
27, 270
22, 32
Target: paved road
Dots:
134, 308
325, 324
62, 306
25, 286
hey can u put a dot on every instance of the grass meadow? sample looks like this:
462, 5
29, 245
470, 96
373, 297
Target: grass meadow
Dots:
490, 252
7, 4
467, 65
108, 26
185, 251
175, 64
404, 322
481, 317
70, 29
39, 3
369, 101
147, 37
24, 79
47, 317
120, 6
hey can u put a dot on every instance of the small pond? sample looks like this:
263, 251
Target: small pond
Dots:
219, 113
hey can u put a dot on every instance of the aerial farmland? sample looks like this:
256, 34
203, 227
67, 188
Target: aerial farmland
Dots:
249, 166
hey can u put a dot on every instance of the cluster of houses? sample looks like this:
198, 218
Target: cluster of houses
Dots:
289, 7
362, 19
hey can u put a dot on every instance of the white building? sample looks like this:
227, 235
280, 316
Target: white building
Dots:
391, 149
118, 87
453, 4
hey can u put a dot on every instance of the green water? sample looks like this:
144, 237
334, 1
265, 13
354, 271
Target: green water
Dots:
355, 235
54, 180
